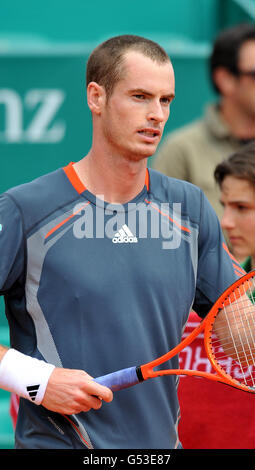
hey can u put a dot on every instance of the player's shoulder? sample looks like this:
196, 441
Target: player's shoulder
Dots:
36, 190
160, 181
168, 189
41, 196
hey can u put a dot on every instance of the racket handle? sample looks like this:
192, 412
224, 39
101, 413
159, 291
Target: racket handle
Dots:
120, 379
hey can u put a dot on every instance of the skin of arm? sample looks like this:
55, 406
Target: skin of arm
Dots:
236, 329
71, 391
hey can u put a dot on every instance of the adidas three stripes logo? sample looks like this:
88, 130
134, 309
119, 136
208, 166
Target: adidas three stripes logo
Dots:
32, 391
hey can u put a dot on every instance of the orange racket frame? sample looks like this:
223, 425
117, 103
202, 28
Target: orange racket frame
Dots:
128, 377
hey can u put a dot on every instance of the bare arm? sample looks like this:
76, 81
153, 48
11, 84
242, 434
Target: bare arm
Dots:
70, 391
235, 329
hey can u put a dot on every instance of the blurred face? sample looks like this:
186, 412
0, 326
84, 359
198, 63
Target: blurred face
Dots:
134, 117
238, 200
245, 84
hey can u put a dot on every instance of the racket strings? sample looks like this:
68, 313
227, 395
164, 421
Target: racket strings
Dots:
233, 338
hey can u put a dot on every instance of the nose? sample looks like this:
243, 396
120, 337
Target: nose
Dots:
227, 221
156, 112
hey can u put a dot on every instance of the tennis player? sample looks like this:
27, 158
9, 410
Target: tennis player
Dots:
101, 263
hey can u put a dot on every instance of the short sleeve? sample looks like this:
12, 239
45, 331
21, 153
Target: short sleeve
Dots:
12, 246
217, 268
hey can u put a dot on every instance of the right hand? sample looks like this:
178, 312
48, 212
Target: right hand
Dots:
70, 391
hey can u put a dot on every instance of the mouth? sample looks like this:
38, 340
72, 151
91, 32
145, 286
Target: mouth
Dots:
233, 239
149, 133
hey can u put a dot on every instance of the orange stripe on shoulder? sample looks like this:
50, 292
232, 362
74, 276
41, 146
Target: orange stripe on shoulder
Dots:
54, 229
74, 178
185, 229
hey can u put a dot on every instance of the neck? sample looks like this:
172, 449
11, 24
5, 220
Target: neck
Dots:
118, 180
240, 123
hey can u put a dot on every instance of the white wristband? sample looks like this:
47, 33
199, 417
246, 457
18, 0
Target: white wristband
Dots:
24, 375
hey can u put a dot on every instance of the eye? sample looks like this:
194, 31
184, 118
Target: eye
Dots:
139, 96
166, 101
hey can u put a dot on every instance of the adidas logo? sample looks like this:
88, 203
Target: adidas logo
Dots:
124, 235
32, 391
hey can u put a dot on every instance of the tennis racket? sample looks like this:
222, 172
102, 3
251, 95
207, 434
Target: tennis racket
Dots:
229, 341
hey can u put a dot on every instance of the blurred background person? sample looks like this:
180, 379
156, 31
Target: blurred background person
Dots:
192, 152
235, 177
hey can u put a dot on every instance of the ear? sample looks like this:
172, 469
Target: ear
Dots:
225, 81
96, 97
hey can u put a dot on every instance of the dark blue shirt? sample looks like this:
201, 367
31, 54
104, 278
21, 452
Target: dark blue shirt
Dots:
100, 287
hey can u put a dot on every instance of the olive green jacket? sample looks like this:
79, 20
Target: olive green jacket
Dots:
192, 152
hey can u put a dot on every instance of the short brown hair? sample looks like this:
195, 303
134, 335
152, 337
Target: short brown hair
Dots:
104, 65
240, 164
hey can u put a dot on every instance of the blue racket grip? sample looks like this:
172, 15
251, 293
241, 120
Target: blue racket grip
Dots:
120, 379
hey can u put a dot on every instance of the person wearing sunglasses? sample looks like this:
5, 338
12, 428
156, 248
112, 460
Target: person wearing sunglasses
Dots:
192, 153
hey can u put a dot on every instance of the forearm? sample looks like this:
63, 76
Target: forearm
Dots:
65, 391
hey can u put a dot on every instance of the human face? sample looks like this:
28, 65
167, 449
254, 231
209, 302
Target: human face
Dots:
134, 116
245, 84
238, 200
